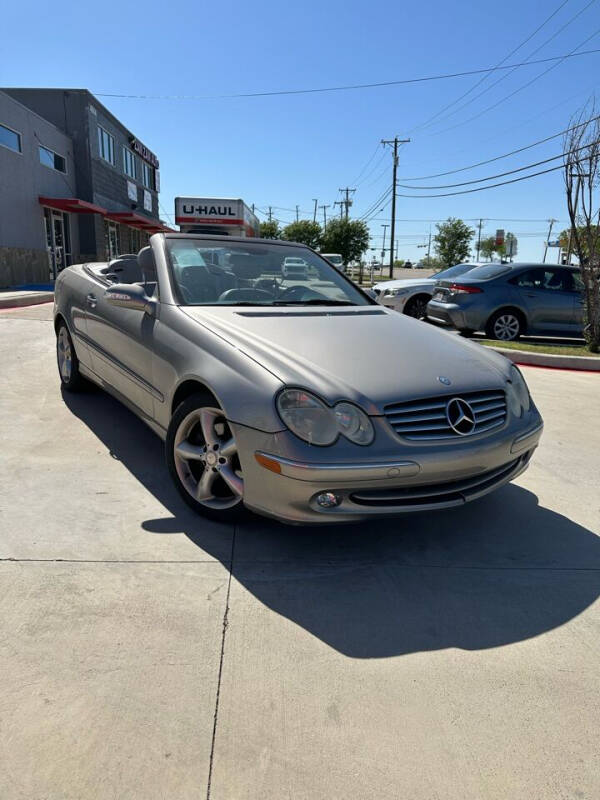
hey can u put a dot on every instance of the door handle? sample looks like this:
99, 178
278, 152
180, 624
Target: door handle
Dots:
91, 300
531, 295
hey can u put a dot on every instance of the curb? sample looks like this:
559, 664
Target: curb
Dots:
23, 299
529, 359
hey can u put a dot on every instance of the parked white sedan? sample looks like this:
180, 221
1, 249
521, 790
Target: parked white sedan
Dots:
411, 295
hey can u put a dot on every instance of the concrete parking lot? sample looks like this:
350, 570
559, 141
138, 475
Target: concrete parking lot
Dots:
147, 653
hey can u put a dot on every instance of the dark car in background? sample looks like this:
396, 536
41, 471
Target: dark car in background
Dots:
510, 300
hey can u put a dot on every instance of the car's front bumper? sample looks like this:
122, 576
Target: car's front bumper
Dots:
417, 479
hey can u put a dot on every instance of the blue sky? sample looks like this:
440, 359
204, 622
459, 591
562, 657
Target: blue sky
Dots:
287, 150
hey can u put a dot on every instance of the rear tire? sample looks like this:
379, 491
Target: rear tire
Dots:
203, 461
505, 325
66, 357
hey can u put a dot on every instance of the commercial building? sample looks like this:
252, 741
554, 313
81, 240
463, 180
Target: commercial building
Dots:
76, 184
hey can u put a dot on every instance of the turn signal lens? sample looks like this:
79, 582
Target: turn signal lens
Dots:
268, 463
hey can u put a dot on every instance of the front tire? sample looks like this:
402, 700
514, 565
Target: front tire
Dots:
66, 357
417, 307
203, 460
505, 325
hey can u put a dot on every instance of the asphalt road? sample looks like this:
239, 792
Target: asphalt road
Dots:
146, 653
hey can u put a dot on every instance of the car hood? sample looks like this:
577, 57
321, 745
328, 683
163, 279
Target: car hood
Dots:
407, 283
369, 355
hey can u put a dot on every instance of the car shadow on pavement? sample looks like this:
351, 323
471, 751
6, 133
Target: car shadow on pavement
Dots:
500, 570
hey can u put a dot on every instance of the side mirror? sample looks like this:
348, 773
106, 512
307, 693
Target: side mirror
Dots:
130, 295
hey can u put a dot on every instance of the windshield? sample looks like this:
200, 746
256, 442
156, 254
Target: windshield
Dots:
209, 272
453, 272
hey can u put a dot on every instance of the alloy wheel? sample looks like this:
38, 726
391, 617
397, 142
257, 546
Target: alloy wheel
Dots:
417, 309
65, 356
206, 459
506, 327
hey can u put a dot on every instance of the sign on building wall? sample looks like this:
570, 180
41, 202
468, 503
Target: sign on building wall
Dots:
132, 191
147, 200
143, 152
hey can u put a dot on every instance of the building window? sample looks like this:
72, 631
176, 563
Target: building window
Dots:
10, 139
51, 159
106, 146
148, 176
128, 163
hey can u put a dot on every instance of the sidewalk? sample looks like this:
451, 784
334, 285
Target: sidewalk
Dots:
18, 298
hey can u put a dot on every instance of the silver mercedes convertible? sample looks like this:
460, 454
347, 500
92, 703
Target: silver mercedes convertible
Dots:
297, 397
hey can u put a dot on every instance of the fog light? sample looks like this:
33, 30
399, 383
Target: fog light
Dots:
328, 500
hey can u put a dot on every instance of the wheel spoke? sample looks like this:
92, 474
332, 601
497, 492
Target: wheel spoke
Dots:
189, 451
228, 448
235, 483
207, 423
205, 484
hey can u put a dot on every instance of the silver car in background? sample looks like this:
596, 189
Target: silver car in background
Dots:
309, 403
411, 295
509, 300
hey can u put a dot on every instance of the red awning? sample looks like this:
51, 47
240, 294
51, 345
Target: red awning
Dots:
73, 204
137, 221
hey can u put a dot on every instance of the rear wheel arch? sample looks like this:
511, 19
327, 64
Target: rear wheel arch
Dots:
58, 319
515, 310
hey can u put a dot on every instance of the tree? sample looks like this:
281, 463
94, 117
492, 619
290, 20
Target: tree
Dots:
304, 231
581, 148
430, 262
566, 244
270, 230
510, 245
348, 237
487, 247
452, 241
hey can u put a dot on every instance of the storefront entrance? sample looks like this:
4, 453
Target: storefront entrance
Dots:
58, 241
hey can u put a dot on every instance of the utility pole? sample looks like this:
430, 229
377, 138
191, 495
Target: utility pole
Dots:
270, 214
340, 203
395, 142
297, 217
385, 227
429, 247
315, 201
551, 221
480, 226
347, 202
324, 217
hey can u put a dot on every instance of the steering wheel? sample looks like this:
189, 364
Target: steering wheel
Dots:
299, 293
231, 295
185, 293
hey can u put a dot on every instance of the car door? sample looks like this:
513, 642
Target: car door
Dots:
546, 295
121, 345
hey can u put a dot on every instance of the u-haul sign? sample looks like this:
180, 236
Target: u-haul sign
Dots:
208, 209
215, 215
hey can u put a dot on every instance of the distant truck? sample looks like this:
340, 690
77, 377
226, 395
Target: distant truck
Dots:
335, 259
221, 216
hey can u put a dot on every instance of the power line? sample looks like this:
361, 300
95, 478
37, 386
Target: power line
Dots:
348, 87
359, 176
498, 158
537, 50
519, 88
482, 188
499, 175
486, 76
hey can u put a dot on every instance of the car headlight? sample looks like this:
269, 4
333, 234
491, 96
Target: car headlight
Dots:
316, 423
353, 423
517, 393
395, 292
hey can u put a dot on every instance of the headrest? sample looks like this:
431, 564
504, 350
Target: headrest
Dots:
244, 265
126, 268
147, 264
